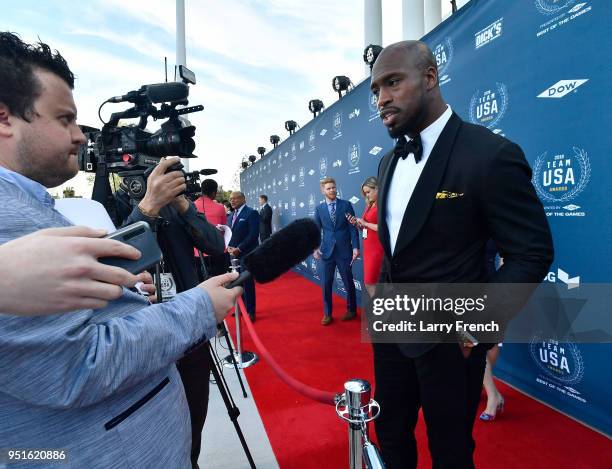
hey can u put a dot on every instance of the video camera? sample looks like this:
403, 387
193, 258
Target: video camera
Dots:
131, 151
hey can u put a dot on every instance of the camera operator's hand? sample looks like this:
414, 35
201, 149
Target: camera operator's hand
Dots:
223, 299
181, 204
162, 188
57, 270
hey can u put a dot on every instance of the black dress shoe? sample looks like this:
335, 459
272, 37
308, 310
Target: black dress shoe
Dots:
348, 316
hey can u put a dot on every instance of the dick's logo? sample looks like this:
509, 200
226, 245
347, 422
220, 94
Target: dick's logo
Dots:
561, 88
488, 34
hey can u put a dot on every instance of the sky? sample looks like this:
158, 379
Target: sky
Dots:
257, 62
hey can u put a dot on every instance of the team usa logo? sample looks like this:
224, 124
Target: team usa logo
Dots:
323, 166
312, 140
443, 53
488, 107
354, 151
293, 207
563, 12
561, 177
311, 204
337, 125
561, 361
552, 7
373, 107
313, 268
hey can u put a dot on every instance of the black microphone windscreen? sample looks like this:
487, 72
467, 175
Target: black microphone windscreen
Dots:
167, 92
208, 172
283, 250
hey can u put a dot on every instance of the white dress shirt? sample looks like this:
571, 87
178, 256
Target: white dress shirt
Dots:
407, 174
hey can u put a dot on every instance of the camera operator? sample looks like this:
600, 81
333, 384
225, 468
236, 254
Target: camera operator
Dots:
101, 384
179, 228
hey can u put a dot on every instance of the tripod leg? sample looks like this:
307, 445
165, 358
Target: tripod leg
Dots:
225, 334
232, 410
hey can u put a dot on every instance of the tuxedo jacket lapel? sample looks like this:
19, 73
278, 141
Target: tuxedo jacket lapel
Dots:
425, 191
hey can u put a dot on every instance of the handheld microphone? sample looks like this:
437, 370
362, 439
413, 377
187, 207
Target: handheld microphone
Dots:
280, 252
156, 93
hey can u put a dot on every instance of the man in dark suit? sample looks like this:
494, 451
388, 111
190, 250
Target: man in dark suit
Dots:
265, 218
446, 189
244, 222
339, 248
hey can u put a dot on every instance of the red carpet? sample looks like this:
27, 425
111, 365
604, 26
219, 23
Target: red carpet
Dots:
305, 434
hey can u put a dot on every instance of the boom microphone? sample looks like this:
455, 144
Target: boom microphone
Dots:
156, 93
280, 252
208, 171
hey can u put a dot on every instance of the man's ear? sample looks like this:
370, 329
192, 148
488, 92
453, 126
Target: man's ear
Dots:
6, 127
432, 77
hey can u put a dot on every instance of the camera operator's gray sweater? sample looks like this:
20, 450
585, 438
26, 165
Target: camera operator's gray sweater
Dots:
100, 384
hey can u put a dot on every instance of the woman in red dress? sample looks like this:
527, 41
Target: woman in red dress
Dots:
372, 249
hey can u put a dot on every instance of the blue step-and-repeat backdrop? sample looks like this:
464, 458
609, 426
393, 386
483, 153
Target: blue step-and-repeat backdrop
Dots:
536, 71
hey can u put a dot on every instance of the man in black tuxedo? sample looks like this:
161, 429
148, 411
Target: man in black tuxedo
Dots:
265, 218
446, 189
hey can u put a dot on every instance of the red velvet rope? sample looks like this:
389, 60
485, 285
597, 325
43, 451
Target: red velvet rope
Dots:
305, 390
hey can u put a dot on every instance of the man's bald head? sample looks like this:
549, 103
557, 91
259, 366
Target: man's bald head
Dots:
414, 54
405, 81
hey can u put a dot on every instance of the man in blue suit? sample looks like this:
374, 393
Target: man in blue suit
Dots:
339, 248
244, 222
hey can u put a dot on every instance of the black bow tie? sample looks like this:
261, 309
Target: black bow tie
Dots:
403, 148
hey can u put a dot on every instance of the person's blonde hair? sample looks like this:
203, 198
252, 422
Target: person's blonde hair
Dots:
327, 180
370, 182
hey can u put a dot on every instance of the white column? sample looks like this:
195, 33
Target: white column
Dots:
413, 24
433, 14
181, 53
372, 25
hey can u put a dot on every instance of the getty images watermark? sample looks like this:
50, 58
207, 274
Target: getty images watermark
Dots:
489, 312
411, 307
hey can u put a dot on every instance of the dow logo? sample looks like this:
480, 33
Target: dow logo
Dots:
562, 87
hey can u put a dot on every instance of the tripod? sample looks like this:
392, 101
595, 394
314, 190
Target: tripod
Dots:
224, 333
232, 409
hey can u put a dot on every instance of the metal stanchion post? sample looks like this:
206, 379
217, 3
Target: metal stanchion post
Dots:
357, 408
243, 359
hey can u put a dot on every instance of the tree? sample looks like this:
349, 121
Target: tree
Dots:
223, 194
